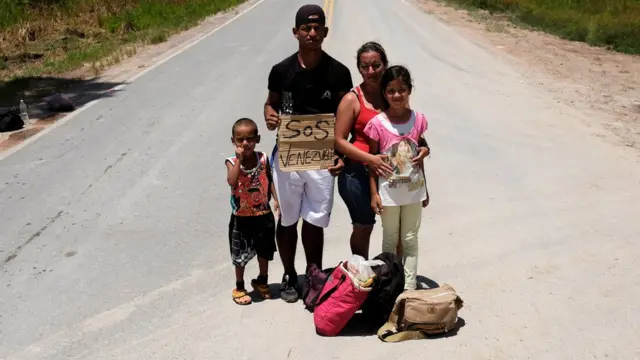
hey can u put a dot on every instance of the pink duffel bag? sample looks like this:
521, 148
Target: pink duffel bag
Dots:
340, 298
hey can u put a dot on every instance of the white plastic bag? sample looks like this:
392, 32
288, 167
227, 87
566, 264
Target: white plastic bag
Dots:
361, 268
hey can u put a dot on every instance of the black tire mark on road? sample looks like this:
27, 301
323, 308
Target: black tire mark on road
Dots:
36, 235
106, 170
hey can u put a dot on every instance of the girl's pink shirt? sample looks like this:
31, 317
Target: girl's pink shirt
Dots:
377, 131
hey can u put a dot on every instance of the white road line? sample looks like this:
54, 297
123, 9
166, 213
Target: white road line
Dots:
77, 112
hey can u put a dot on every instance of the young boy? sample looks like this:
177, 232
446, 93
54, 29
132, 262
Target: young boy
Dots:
252, 224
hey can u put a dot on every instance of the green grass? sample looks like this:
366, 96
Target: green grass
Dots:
611, 23
165, 14
70, 33
65, 35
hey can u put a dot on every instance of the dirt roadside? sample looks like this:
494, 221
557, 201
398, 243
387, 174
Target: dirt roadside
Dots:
91, 88
605, 82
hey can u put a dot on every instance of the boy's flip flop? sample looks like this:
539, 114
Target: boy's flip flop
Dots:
262, 289
241, 297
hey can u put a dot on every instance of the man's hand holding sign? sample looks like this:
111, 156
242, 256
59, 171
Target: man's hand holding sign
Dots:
306, 142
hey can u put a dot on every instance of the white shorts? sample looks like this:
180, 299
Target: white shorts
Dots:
303, 194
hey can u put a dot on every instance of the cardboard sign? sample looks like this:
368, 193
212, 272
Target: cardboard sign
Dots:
305, 142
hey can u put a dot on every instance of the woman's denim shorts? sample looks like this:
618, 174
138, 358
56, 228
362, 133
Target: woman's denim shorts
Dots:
353, 186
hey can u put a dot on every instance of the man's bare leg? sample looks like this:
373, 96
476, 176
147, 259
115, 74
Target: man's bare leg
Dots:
313, 243
287, 239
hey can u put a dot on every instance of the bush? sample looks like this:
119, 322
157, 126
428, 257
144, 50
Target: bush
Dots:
611, 23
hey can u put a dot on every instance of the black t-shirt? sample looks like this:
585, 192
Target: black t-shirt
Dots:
309, 91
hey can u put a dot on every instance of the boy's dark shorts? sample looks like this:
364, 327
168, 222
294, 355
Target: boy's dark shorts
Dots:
250, 236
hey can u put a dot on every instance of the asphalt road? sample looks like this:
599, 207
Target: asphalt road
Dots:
114, 225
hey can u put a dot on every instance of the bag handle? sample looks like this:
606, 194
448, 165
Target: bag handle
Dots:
314, 302
326, 295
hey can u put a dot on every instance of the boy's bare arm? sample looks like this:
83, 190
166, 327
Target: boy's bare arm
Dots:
233, 173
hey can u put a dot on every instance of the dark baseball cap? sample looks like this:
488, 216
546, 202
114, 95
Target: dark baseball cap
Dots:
310, 13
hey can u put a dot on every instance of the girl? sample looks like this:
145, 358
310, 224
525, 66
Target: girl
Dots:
252, 224
399, 198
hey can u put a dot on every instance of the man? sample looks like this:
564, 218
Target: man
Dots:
307, 82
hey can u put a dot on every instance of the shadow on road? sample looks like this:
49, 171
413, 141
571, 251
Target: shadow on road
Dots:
274, 289
33, 89
359, 325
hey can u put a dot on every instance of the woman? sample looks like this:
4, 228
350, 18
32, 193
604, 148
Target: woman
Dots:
354, 112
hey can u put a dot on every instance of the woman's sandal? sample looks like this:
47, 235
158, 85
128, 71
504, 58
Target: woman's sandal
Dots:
262, 289
241, 297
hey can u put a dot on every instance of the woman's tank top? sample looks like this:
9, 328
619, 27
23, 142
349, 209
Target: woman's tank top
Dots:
358, 137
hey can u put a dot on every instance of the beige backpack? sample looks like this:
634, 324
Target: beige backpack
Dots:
418, 313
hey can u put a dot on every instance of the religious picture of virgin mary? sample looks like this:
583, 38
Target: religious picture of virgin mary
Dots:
400, 155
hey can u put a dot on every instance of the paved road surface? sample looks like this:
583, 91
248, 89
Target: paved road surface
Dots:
118, 218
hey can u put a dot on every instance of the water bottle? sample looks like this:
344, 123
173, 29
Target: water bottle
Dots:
23, 112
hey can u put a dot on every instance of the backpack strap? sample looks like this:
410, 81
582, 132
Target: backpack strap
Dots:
391, 331
398, 336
